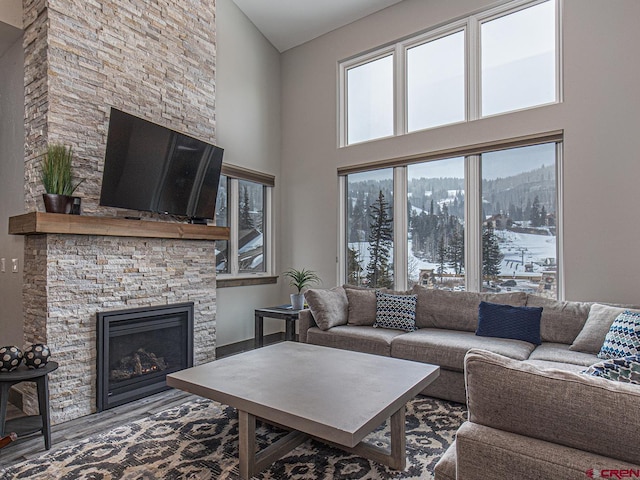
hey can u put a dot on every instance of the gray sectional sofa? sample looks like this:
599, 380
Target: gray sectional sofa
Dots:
531, 413
446, 323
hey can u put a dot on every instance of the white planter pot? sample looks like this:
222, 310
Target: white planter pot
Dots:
297, 301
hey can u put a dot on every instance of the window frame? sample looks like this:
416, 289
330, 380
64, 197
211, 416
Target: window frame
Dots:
473, 213
431, 36
503, 11
343, 100
235, 277
471, 25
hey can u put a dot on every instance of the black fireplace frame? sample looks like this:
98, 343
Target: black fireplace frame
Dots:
107, 321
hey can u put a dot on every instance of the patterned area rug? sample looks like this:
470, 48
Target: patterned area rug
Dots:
199, 440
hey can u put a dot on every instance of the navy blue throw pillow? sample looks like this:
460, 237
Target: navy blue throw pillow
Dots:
505, 321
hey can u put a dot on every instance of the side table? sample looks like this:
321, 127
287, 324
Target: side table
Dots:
287, 314
32, 423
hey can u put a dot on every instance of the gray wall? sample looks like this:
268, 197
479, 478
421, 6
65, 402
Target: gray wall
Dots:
11, 189
599, 118
248, 128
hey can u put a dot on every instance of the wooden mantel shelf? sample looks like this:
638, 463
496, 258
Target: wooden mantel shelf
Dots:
36, 223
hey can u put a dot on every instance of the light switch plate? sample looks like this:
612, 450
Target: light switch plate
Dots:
14, 265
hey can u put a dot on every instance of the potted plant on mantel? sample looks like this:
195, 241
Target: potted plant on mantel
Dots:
300, 279
57, 179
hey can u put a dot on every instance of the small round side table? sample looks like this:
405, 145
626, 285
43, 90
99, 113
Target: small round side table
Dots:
32, 423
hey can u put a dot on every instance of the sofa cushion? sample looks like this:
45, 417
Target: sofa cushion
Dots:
547, 365
506, 321
329, 308
362, 305
447, 348
357, 338
560, 353
623, 338
483, 453
445, 469
592, 335
395, 311
626, 369
561, 321
456, 310
517, 397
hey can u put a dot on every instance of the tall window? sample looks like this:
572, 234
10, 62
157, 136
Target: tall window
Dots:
519, 236
435, 83
519, 59
370, 100
370, 229
243, 204
497, 61
251, 227
436, 213
222, 220
486, 222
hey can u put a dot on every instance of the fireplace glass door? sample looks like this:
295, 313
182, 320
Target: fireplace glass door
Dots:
137, 348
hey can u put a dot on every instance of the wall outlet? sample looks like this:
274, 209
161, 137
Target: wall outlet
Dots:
3, 265
14, 265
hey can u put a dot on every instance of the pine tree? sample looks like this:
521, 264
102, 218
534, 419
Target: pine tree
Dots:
354, 269
455, 252
441, 258
491, 256
246, 222
534, 214
380, 242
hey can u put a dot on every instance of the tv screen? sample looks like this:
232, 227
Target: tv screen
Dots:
152, 168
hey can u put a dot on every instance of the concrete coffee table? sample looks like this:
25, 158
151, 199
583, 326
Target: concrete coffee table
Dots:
337, 396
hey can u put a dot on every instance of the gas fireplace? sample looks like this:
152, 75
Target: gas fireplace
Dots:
138, 347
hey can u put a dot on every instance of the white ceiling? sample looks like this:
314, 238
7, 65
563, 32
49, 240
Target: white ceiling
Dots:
288, 23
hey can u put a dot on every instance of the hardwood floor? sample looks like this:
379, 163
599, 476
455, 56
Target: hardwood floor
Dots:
75, 430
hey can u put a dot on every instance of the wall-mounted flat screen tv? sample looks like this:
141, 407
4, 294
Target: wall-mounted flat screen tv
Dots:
152, 168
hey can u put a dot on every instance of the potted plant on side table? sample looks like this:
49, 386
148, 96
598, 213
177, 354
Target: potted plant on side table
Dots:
300, 279
57, 179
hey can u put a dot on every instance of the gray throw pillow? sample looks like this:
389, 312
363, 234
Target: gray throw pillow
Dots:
592, 335
362, 305
328, 307
561, 321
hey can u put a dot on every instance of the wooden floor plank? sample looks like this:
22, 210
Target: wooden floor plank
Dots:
71, 432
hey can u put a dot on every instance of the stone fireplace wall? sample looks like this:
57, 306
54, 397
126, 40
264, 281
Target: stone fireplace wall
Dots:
156, 60
71, 277
152, 58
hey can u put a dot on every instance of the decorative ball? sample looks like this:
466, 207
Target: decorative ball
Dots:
37, 355
10, 358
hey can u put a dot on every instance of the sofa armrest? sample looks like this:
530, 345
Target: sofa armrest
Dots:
305, 322
571, 409
484, 452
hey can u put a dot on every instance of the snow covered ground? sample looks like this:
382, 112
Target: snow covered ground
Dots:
519, 249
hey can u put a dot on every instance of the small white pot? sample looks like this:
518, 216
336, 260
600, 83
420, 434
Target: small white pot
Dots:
297, 301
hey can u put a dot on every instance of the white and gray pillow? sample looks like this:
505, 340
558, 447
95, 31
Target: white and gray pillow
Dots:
328, 307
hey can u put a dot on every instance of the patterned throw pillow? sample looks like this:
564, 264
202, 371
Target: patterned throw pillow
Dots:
396, 311
625, 369
623, 339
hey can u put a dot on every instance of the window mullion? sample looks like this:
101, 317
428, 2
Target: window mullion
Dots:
234, 221
342, 230
473, 77
400, 228
473, 223
400, 83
